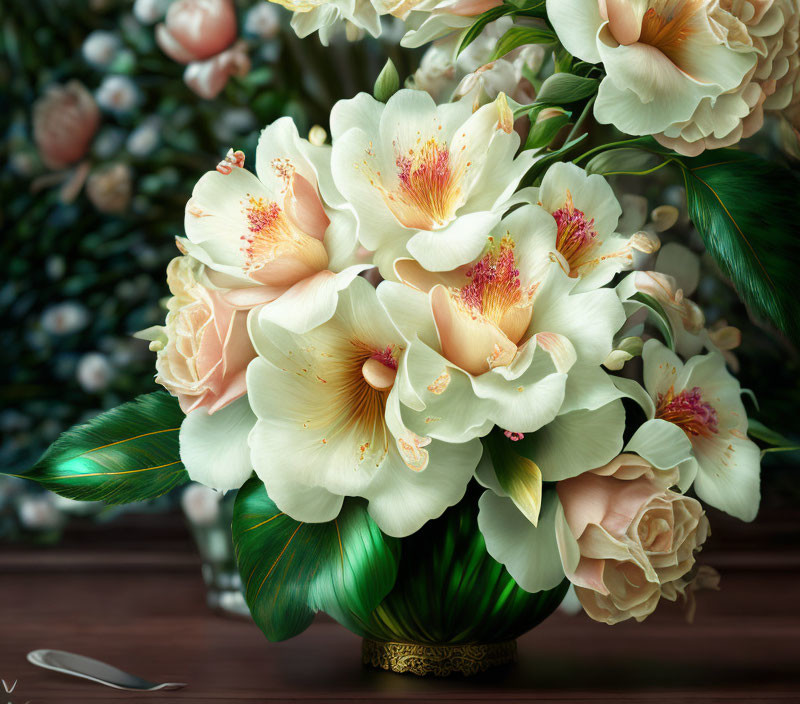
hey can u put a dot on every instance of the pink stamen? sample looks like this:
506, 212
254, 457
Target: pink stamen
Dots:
385, 357
513, 436
495, 283
575, 236
688, 411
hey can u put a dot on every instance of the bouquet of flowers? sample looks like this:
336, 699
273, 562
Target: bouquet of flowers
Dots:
447, 369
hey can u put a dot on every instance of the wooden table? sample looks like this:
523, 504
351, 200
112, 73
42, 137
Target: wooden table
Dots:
143, 609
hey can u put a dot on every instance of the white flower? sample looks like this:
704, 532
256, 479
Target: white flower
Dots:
329, 16
494, 342
663, 59
65, 318
118, 94
94, 372
770, 29
587, 213
426, 179
145, 138
150, 11
701, 401
100, 48
269, 237
439, 17
201, 504
329, 425
262, 21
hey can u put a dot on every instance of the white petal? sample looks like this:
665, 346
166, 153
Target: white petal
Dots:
661, 443
529, 553
576, 23
214, 447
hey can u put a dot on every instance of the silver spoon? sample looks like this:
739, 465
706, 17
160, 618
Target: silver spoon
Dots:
94, 670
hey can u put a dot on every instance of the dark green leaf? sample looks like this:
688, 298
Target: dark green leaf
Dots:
761, 432
387, 83
541, 164
563, 88
543, 131
472, 32
657, 316
290, 570
517, 36
745, 209
127, 454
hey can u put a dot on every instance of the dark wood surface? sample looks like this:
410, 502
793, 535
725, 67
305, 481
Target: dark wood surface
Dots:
138, 603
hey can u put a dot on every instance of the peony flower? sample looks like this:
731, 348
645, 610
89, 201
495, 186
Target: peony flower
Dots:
329, 422
203, 350
666, 63
628, 539
269, 237
65, 120
329, 16
586, 214
768, 28
195, 30
700, 401
424, 179
493, 342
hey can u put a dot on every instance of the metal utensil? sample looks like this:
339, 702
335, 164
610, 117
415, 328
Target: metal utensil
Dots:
94, 670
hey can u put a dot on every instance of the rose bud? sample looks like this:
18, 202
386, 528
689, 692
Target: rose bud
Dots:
197, 29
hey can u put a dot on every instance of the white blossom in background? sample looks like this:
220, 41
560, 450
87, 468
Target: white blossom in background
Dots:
118, 94
262, 21
100, 48
143, 140
65, 318
201, 504
94, 372
150, 11
39, 512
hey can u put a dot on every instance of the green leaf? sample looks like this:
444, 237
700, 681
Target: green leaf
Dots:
519, 476
517, 36
472, 32
127, 454
543, 132
387, 83
745, 209
761, 432
657, 316
625, 160
543, 163
563, 88
290, 570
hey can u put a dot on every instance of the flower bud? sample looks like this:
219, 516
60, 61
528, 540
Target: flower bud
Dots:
65, 120
208, 78
197, 29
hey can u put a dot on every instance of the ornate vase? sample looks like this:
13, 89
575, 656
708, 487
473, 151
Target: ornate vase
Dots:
453, 608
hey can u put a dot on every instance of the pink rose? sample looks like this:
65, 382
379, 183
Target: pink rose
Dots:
65, 119
204, 349
636, 538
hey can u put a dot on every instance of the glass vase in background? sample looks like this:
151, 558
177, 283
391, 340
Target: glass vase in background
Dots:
209, 514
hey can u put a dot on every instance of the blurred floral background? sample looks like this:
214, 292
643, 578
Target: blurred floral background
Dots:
110, 110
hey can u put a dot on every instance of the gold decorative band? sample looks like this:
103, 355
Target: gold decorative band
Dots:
438, 660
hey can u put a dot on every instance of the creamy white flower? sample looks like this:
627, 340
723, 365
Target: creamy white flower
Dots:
118, 94
329, 422
586, 214
330, 16
100, 48
701, 401
425, 179
769, 28
436, 17
269, 237
494, 342
664, 60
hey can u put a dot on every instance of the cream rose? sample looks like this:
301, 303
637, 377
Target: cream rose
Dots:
635, 538
204, 349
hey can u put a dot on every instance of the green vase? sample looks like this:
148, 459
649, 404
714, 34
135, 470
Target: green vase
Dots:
453, 609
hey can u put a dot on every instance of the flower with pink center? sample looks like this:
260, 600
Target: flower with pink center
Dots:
424, 179
586, 214
495, 341
269, 237
697, 405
